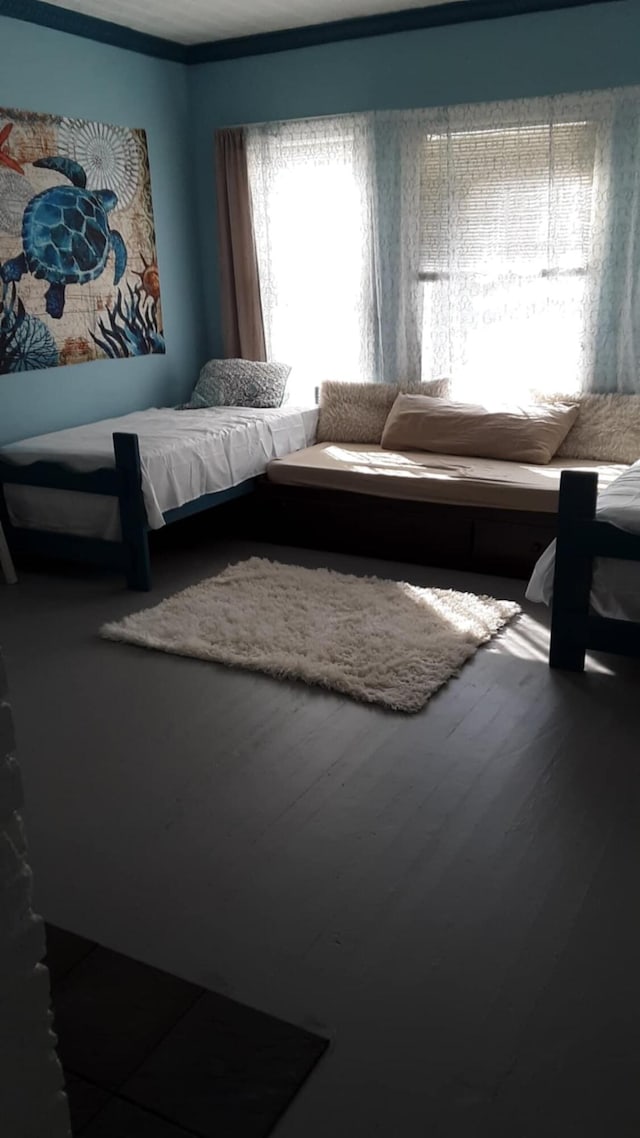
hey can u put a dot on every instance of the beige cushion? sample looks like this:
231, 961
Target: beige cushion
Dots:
607, 428
527, 434
423, 477
357, 412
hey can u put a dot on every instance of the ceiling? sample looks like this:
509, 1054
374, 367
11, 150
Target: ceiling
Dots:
201, 21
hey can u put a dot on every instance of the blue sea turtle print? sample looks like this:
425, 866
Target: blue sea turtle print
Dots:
66, 236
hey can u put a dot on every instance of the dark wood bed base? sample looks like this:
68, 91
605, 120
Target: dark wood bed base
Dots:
574, 628
122, 481
505, 542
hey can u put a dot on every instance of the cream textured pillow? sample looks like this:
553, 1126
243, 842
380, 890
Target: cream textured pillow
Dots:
519, 434
357, 412
607, 428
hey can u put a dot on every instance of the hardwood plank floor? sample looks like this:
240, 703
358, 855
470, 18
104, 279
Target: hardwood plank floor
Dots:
451, 895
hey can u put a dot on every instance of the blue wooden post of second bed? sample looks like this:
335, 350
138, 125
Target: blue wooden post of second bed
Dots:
133, 517
573, 570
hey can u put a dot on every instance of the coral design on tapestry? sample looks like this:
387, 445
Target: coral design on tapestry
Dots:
79, 277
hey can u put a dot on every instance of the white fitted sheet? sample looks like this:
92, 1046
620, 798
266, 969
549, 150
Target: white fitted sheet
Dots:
616, 584
183, 455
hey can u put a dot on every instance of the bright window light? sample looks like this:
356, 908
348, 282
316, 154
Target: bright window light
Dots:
316, 268
506, 245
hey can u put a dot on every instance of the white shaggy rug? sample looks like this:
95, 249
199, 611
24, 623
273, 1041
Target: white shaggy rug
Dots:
380, 641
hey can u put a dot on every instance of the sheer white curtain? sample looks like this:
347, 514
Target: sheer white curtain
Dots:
498, 244
616, 266
313, 202
514, 198
397, 172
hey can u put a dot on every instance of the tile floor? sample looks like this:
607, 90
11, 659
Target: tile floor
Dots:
147, 1055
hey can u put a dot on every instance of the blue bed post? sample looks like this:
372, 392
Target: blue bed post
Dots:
133, 516
573, 570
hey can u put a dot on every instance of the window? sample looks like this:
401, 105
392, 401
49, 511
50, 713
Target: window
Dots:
505, 250
493, 243
311, 205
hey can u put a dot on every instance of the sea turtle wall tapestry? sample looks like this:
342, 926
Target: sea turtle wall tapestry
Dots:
78, 270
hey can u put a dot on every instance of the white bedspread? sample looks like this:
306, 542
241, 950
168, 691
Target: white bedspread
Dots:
183, 455
616, 584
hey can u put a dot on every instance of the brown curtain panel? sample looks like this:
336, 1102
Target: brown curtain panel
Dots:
242, 322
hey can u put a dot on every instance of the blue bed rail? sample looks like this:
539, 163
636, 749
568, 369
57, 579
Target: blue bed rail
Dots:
123, 481
581, 538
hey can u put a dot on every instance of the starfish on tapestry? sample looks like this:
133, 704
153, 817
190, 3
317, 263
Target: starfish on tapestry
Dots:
6, 159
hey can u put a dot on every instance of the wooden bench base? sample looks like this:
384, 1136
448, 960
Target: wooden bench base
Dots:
504, 542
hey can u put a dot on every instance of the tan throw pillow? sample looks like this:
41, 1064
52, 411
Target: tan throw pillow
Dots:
607, 428
357, 412
520, 434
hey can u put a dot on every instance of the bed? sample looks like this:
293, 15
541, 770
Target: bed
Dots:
461, 512
591, 574
93, 492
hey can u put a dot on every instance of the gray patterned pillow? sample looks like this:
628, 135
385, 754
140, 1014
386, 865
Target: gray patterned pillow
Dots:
240, 383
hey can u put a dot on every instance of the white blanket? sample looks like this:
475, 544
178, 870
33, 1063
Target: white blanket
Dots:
183, 455
616, 584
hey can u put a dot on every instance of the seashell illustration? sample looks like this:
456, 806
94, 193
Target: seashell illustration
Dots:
25, 341
108, 154
149, 278
34, 347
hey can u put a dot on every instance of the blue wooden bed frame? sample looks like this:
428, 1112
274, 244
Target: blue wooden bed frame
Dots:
580, 539
123, 481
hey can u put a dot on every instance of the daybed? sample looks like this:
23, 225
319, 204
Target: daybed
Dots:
468, 513
443, 509
91, 493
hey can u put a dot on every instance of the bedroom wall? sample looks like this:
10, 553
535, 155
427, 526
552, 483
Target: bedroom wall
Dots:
45, 70
546, 53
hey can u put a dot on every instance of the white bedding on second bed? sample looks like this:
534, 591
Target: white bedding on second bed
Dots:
616, 584
183, 455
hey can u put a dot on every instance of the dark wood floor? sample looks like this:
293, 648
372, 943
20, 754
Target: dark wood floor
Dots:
452, 895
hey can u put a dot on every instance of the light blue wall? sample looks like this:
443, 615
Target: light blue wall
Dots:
43, 70
180, 108
547, 53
